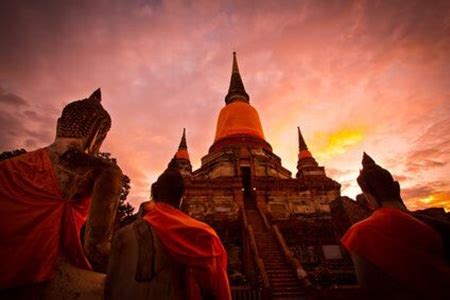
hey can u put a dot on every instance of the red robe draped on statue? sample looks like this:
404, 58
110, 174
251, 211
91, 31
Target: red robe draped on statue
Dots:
194, 244
401, 246
36, 224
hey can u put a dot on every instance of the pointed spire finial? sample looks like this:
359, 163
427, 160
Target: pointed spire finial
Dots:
301, 140
183, 143
96, 95
235, 64
367, 160
236, 90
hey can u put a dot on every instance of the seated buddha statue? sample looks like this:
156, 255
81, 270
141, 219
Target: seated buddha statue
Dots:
48, 194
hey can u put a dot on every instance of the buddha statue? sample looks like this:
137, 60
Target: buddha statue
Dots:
80, 132
48, 194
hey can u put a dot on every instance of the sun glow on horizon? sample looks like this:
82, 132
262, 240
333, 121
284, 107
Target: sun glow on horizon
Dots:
331, 144
437, 200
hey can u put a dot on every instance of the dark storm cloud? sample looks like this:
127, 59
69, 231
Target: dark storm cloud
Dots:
21, 126
424, 190
11, 99
11, 129
38, 117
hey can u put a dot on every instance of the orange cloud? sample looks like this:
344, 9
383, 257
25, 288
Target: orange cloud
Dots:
436, 200
161, 70
331, 144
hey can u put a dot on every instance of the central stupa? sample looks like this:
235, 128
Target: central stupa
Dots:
242, 184
238, 119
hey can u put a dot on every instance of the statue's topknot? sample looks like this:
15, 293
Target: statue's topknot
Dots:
367, 161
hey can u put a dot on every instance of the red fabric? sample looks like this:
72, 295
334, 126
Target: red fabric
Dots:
194, 244
36, 224
403, 247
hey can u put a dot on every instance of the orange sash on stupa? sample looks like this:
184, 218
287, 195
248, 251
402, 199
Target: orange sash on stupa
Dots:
36, 224
194, 244
401, 246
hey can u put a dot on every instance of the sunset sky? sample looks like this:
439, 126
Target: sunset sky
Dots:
356, 76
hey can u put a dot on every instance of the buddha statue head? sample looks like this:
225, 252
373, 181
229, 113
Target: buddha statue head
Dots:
85, 123
377, 183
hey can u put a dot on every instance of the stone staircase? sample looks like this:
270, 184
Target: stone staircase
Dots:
283, 279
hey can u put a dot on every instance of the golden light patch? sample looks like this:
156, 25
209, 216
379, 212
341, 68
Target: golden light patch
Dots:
427, 200
437, 200
331, 144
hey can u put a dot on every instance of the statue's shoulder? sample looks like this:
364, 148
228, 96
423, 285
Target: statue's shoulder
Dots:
137, 232
75, 159
106, 165
125, 234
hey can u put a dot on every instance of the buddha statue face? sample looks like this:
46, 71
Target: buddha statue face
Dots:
86, 121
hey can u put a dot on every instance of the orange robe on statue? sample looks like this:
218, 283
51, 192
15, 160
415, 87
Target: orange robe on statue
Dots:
409, 251
36, 224
195, 245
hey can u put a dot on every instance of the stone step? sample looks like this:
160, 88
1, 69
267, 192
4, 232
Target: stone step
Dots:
275, 260
290, 298
288, 281
295, 297
286, 287
268, 255
282, 277
284, 282
280, 271
281, 268
271, 255
269, 251
289, 284
287, 293
277, 295
277, 267
262, 249
269, 248
280, 263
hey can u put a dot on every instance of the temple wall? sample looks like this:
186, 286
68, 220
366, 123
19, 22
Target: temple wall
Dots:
346, 212
223, 169
318, 250
213, 202
296, 201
